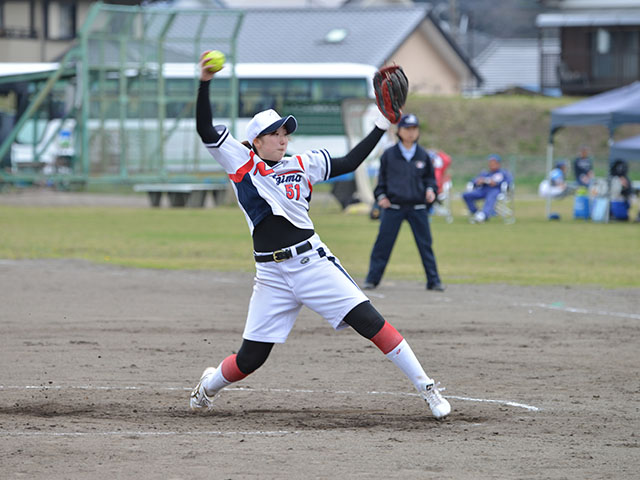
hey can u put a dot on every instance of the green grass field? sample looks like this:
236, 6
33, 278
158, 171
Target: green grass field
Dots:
533, 251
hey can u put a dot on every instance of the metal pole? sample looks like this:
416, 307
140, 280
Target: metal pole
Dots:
104, 103
144, 164
234, 76
197, 45
549, 163
162, 99
84, 82
610, 142
540, 60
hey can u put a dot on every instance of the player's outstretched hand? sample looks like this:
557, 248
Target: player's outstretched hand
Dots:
205, 72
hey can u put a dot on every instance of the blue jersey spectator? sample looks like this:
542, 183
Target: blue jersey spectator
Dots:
557, 176
487, 185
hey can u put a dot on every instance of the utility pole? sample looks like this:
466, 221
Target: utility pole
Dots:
453, 18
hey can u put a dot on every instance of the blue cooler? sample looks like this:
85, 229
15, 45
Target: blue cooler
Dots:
581, 207
619, 210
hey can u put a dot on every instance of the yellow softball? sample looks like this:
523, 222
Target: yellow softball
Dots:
214, 60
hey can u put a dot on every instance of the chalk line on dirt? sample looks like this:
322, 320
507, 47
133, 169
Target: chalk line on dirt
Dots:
508, 403
562, 308
217, 433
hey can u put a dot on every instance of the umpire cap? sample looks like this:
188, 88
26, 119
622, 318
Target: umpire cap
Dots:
408, 120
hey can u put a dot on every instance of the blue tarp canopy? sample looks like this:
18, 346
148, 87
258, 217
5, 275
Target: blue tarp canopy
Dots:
611, 109
627, 149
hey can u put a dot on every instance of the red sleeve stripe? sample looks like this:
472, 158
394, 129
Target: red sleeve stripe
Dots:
243, 170
387, 338
299, 158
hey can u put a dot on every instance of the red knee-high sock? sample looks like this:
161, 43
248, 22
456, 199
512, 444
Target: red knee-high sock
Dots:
227, 373
387, 338
230, 370
396, 349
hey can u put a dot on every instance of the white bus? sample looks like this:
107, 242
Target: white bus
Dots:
126, 135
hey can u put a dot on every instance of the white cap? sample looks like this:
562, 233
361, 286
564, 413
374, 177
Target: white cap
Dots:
269, 121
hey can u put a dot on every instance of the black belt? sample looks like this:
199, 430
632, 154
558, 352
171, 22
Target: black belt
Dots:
284, 254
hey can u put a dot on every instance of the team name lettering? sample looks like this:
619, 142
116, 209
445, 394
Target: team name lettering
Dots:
295, 178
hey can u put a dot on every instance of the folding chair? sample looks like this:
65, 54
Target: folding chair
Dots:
505, 203
504, 207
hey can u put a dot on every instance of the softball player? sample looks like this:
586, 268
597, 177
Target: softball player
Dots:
293, 266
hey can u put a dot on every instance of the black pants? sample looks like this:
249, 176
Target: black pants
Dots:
390, 222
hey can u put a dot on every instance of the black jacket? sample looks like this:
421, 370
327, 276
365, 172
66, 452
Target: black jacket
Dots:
402, 182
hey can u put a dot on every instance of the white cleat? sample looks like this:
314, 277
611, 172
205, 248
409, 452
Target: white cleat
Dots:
439, 406
199, 400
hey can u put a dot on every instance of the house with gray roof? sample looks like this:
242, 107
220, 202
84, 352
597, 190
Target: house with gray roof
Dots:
510, 64
406, 35
403, 34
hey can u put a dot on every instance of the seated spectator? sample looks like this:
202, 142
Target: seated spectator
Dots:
621, 190
583, 167
555, 185
441, 162
487, 185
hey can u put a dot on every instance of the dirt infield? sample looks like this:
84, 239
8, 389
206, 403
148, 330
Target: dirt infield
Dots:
97, 364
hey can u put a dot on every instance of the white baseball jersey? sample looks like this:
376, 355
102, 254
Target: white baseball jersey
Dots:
283, 190
314, 278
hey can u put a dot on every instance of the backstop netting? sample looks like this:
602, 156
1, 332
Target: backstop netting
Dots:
140, 65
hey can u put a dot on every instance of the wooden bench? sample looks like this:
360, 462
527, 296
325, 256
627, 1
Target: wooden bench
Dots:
183, 194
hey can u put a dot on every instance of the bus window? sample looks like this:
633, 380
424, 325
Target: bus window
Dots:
257, 95
297, 90
137, 108
338, 89
261, 94
181, 109
32, 131
220, 95
179, 86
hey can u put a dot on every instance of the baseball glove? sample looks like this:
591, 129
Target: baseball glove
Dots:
391, 86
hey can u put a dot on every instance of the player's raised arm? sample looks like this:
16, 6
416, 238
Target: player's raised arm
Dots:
361, 151
204, 118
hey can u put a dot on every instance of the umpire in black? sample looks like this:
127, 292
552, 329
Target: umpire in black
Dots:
405, 191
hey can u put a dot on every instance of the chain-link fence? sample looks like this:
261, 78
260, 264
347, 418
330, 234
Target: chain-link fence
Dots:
122, 101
